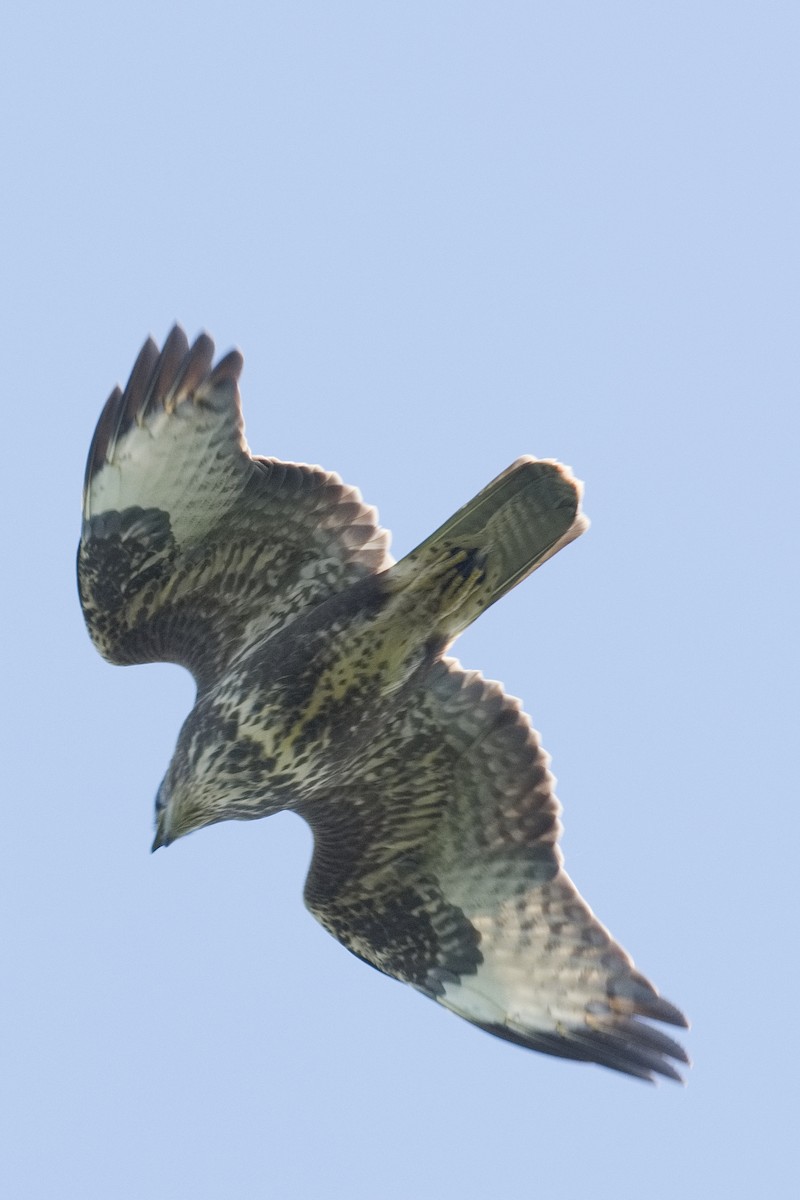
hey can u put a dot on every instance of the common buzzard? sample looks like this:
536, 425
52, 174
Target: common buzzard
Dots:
323, 687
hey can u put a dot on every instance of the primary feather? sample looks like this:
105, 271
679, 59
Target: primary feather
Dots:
323, 687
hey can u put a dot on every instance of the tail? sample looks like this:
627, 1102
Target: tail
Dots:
519, 520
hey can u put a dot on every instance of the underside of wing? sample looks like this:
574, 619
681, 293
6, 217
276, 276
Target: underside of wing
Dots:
192, 548
438, 864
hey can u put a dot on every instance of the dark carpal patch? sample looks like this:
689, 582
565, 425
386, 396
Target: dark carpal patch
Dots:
121, 553
122, 562
125, 562
410, 931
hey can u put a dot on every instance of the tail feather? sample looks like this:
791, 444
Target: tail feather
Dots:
518, 521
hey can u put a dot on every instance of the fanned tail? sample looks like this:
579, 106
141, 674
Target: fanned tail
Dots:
518, 521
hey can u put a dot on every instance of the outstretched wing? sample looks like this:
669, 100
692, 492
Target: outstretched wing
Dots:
191, 548
439, 865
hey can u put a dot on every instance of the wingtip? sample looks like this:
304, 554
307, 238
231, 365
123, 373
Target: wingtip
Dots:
228, 369
99, 443
164, 373
632, 993
631, 1048
158, 379
193, 369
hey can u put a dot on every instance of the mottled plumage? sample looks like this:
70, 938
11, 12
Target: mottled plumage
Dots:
323, 688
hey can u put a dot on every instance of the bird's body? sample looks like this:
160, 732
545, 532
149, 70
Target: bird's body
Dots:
323, 688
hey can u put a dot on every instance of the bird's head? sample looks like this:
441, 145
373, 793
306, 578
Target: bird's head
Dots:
193, 792
214, 776
181, 805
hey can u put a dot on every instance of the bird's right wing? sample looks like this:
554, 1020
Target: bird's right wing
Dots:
191, 548
437, 863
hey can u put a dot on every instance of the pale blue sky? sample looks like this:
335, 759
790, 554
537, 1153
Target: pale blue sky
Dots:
444, 234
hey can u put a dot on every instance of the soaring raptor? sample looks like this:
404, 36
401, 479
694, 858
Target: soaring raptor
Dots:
323, 687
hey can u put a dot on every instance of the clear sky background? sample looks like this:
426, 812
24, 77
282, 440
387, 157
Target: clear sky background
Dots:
444, 234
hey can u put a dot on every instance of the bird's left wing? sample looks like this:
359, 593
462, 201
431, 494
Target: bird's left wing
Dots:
437, 863
191, 547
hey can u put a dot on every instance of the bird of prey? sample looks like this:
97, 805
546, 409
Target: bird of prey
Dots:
323, 687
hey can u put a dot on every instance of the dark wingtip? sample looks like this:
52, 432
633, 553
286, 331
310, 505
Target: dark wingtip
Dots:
158, 380
165, 372
136, 388
192, 371
176, 370
228, 369
669, 1013
626, 1045
630, 992
99, 444
117, 411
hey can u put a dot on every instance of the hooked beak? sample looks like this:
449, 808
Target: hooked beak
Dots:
160, 840
162, 824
